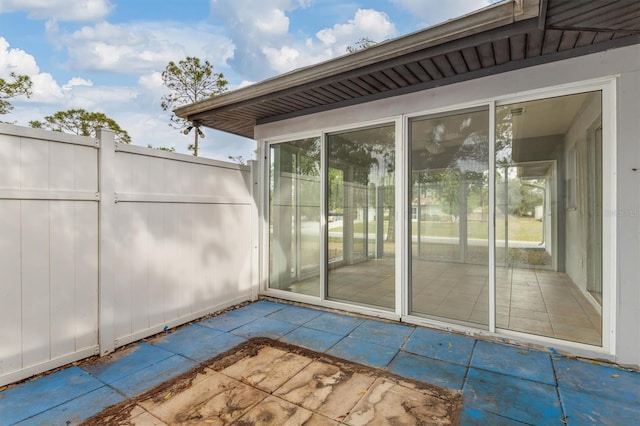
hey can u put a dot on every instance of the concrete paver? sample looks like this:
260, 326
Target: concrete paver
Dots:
268, 369
388, 403
214, 399
428, 370
326, 388
443, 346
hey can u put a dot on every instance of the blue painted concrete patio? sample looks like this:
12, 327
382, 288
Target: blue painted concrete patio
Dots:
501, 385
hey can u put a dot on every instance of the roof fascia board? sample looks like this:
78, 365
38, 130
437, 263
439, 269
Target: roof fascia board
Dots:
495, 16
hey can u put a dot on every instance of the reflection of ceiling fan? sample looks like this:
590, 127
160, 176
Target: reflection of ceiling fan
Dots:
438, 143
434, 147
440, 136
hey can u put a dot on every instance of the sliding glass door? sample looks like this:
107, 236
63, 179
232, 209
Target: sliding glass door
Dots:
547, 214
449, 224
535, 180
361, 216
294, 216
549, 217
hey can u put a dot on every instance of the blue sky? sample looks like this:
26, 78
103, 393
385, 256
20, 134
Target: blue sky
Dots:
107, 55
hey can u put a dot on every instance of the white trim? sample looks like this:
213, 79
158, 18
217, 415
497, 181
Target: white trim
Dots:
256, 218
48, 194
290, 137
324, 236
185, 158
265, 159
400, 217
609, 222
332, 304
320, 132
453, 109
48, 135
131, 197
492, 217
548, 344
573, 88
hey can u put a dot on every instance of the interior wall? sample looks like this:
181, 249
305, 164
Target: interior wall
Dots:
577, 220
550, 219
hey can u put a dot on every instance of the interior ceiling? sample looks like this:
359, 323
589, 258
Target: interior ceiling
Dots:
545, 117
557, 29
445, 132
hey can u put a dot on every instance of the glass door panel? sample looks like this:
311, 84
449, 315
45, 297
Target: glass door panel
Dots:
294, 216
548, 217
360, 205
449, 216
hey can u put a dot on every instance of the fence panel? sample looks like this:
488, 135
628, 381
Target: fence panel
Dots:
182, 239
104, 244
49, 250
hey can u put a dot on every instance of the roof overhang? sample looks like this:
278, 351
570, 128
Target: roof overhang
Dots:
509, 35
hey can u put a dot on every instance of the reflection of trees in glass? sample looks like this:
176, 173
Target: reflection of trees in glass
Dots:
450, 154
335, 199
301, 159
364, 157
525, 196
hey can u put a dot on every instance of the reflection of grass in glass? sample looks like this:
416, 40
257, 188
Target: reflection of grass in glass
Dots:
520, 229
335, 247
480, 255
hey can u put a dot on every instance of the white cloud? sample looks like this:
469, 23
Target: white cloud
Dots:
15, 60
61, 10
140, 47
435, 11
367, 23
151, 81
275, 22
283, 59
330, 42
255, 26
44, 88
243, 83
76, 81
265, 47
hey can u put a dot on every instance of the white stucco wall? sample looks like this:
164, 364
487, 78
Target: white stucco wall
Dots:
623, 64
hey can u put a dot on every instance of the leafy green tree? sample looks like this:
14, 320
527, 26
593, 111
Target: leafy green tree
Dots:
81, 122
21, 85
190, 80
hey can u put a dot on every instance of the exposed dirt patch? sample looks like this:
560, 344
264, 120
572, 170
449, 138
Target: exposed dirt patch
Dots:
317, 389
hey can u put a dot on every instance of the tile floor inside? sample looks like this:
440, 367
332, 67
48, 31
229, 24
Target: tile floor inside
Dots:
534, 301
500, 384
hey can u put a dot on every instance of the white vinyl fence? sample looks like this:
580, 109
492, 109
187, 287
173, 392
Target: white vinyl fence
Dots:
102, 244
